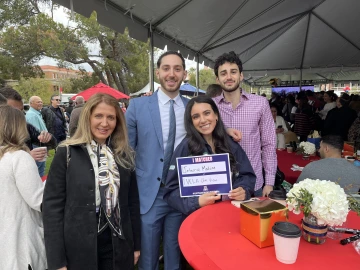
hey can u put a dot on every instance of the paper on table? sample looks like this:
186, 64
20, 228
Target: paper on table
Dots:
296, 168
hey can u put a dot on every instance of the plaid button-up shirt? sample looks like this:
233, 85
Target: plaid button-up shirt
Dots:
252, 116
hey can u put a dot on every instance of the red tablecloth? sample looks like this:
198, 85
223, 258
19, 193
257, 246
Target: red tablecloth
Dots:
210, 239
286, 160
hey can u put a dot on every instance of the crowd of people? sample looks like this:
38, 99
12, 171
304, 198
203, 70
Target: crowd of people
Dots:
322, 111
112, 192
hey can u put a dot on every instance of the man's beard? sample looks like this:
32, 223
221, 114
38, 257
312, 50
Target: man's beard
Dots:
232, 89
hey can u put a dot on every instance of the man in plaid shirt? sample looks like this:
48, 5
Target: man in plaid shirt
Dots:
252, 116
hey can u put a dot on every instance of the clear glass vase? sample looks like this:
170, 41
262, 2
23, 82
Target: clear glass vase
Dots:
305, 157
312, 232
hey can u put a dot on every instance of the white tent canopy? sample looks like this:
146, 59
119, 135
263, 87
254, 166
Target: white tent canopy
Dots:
146, 89
270, 36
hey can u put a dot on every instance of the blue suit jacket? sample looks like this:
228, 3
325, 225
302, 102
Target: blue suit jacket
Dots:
145, 136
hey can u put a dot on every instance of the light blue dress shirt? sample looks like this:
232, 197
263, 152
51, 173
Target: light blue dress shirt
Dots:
34, 118
179, 108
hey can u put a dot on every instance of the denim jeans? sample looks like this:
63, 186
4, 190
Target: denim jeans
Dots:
40, 164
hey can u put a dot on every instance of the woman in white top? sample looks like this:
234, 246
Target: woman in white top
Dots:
330, 103
21, 229
281, 128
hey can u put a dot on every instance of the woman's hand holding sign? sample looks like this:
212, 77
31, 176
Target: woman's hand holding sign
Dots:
208, 198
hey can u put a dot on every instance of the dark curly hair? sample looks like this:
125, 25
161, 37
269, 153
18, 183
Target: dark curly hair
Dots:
196, 142
230, 57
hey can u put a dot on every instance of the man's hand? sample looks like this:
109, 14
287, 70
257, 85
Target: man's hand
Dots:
44, 137
147, 94
238, 194
235, 134
38, 153
267, 190
136, 256
208, 198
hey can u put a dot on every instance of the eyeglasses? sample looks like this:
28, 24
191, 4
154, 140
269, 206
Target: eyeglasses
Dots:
57, 99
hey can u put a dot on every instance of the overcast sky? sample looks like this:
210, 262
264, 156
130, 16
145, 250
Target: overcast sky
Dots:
61, 17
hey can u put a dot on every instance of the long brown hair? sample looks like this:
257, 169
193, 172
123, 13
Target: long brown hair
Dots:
13, 132
123, 153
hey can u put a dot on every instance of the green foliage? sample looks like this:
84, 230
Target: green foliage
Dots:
206, 77
354, 204
304, 201
35, 87
76, 85
121, 62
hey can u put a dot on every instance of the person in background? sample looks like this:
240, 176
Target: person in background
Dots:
35, 137
21, 233
354, 131
281, 128
213, 90
275, 100
75, 115
206, 134
91, 207
70, 107
339, 120
332, 167
251, 115
330, 103
304, 118
33, 117
54, 119
313, 101
288, 110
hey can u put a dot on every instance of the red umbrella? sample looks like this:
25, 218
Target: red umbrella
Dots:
101, 88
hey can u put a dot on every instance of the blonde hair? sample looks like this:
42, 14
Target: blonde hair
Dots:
119, 141
13, 132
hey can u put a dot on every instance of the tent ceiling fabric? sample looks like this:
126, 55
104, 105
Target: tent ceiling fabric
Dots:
269, 35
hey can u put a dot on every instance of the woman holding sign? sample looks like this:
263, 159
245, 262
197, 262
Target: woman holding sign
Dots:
206, 135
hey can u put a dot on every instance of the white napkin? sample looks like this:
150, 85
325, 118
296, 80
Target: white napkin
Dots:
296, 168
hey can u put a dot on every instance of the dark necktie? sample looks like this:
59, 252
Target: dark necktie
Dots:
171, 141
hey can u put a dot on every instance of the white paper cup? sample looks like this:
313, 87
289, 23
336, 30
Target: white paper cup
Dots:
43, 148
286, 241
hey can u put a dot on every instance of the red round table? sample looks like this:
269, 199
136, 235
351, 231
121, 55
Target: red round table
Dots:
210, 239
286, 160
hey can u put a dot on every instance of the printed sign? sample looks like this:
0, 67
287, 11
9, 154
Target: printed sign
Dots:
200, 174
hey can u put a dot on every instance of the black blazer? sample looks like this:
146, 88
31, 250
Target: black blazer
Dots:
69, 212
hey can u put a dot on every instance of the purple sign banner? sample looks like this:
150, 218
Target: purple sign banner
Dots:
201, 174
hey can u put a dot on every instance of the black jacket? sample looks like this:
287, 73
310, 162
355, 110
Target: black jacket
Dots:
49, 115
245, 177
69, 212
338, 122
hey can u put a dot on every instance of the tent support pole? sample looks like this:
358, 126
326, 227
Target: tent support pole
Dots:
300, 78
151, 62
197, 74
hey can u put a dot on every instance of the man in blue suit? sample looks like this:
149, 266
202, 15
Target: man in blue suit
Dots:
150, 122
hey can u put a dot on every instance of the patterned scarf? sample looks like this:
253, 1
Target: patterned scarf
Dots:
109, 183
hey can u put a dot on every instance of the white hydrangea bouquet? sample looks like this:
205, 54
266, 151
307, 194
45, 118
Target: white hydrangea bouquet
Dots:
323, 199
306, 148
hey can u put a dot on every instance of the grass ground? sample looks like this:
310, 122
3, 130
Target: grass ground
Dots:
49, 160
